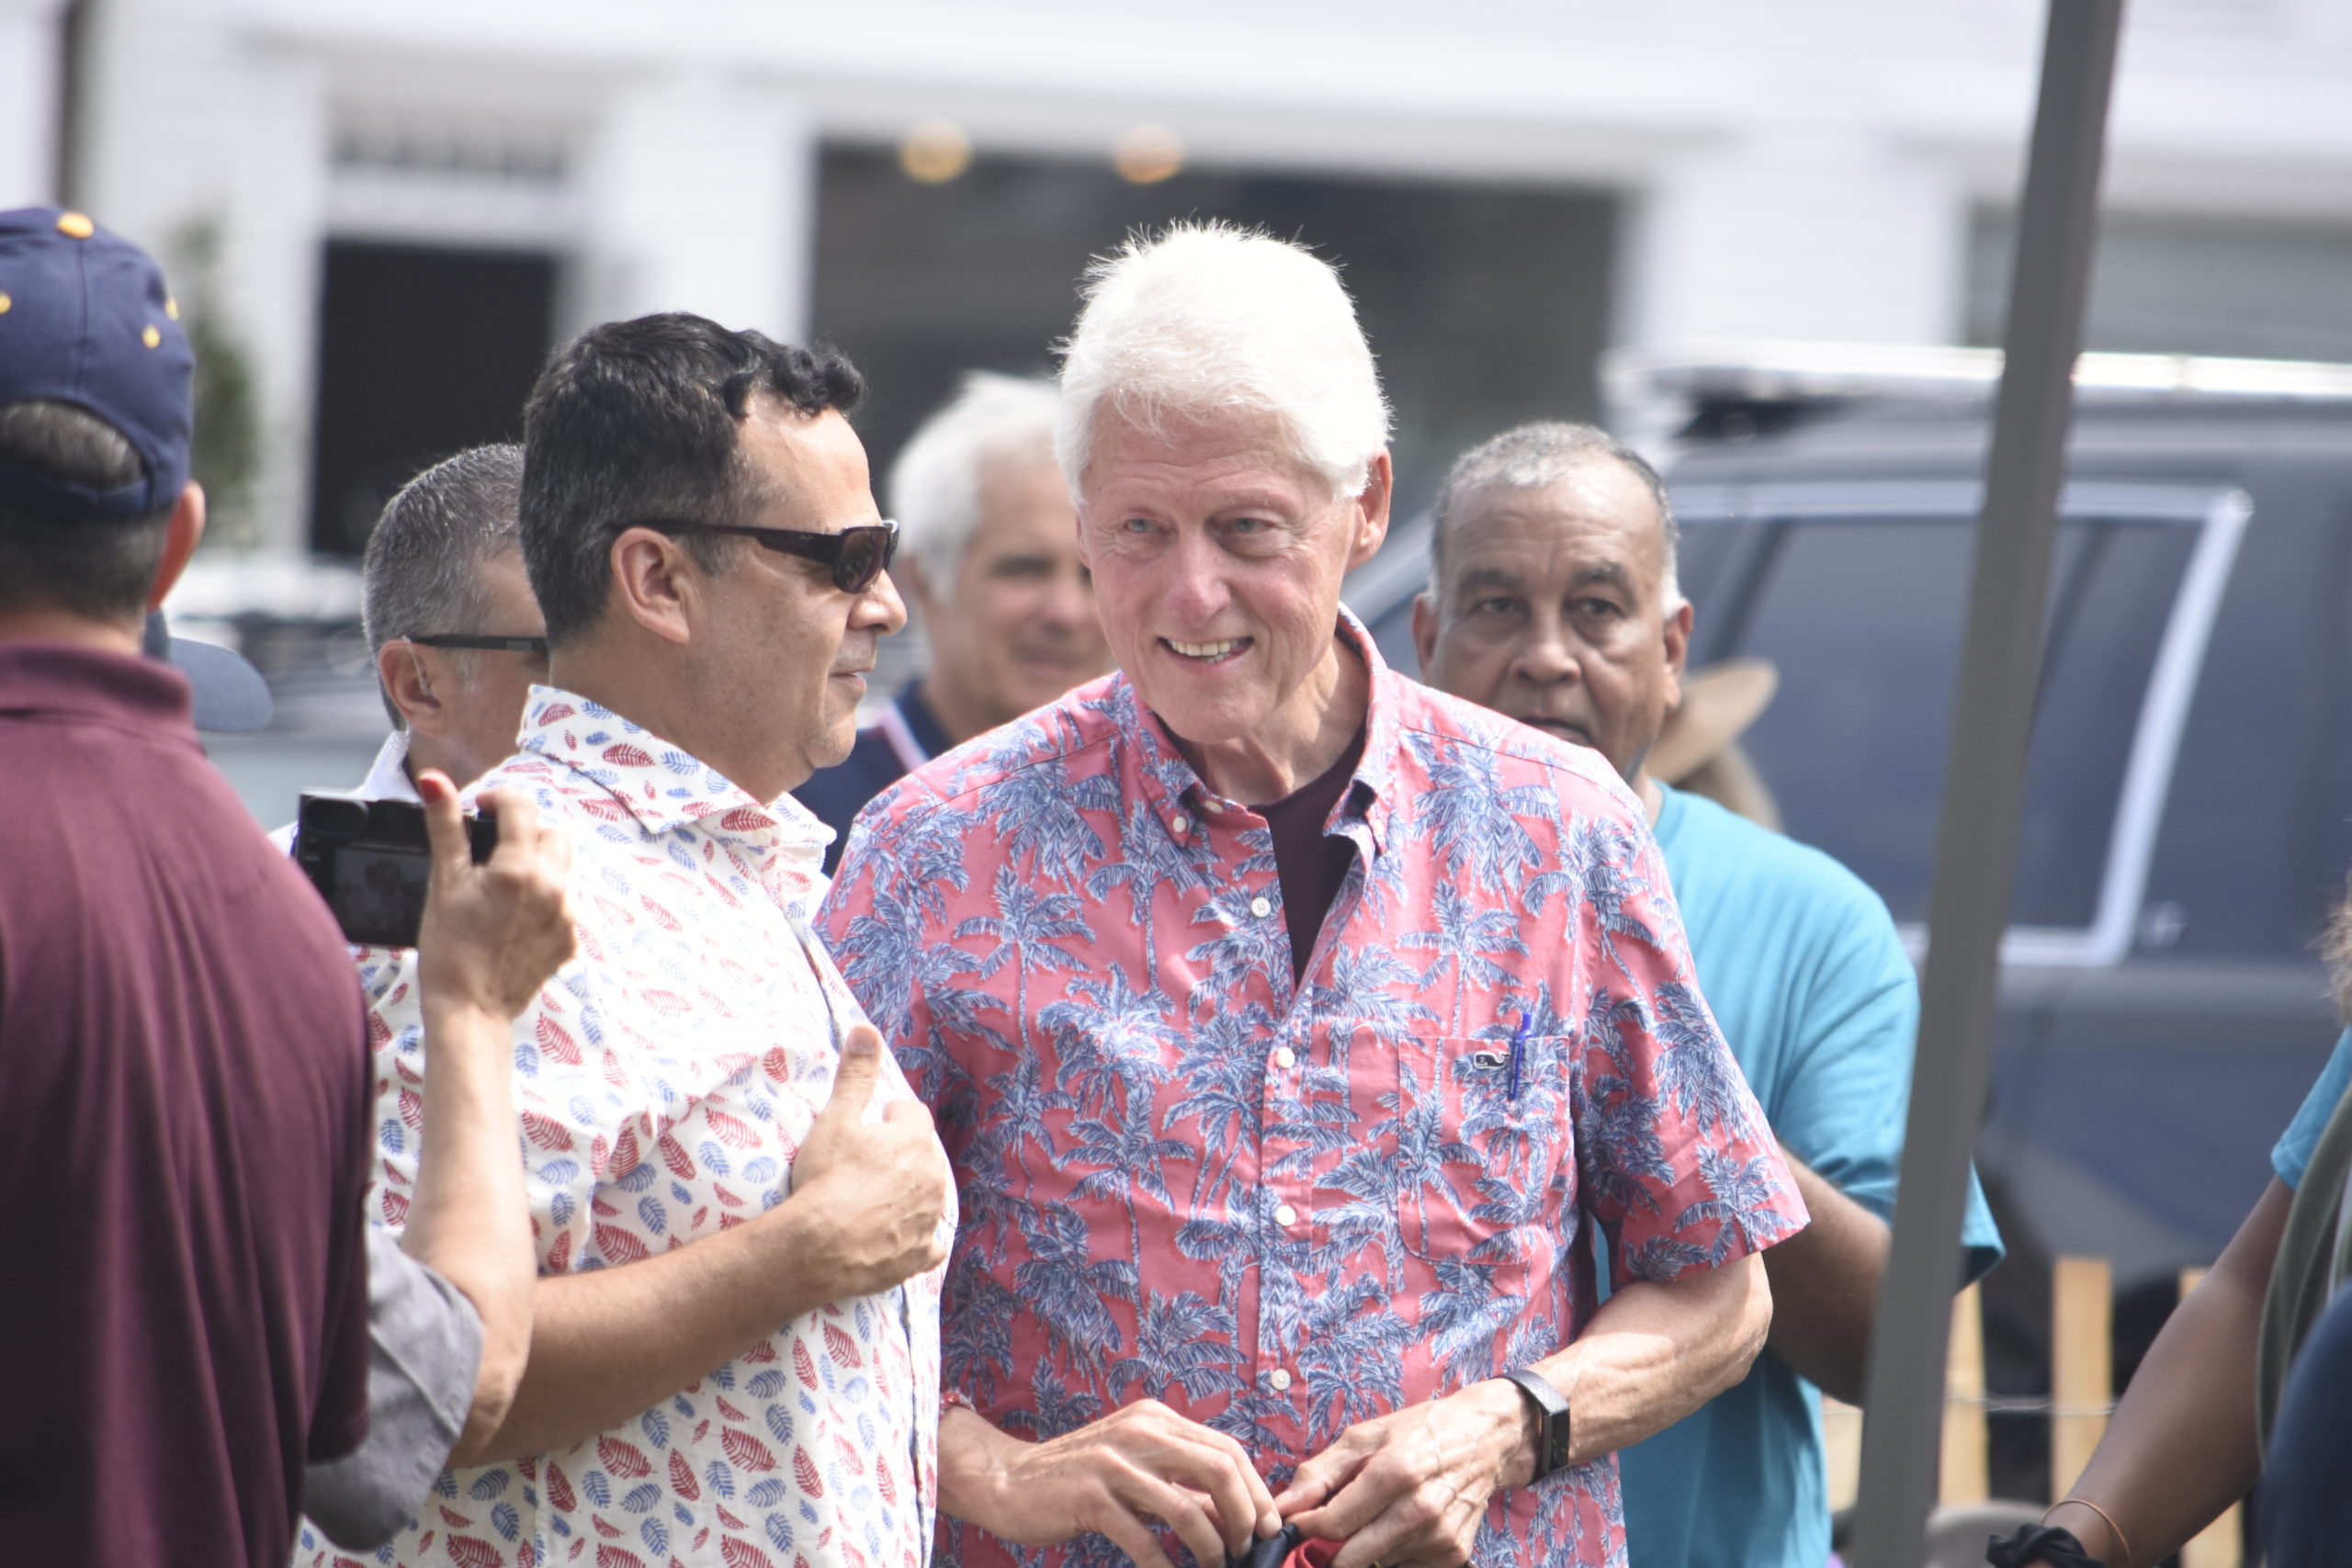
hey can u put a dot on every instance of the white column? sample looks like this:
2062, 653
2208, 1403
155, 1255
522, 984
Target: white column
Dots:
31, 96
274, 252
194, 121
702, 197
1819, 235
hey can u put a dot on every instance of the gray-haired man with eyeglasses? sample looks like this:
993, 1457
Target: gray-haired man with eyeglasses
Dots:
456, 637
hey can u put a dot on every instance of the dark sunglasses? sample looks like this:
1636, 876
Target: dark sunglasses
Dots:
857, 555
536, 645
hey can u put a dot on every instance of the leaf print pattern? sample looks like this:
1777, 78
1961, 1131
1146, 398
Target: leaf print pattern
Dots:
1283, 1208
666, 1081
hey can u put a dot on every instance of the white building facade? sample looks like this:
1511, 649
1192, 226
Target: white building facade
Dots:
1808, 170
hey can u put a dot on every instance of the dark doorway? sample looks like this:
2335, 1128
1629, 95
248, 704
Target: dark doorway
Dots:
422, 351
1487, 304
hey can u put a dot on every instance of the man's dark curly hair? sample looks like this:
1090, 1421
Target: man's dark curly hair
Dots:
638, 419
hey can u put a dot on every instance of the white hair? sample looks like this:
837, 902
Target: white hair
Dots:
936, 483
1211, 317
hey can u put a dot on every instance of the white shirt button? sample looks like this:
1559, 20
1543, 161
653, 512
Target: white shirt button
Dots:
1261, 906
1179, 824
1212, 808
1280, 1377
1285, 1058
1285, 1216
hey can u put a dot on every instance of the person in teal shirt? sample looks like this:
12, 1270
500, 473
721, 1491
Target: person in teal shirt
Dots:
2293, 1151
1800, 963
1553, 599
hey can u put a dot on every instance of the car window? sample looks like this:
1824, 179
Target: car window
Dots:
1863, 617
2258, 823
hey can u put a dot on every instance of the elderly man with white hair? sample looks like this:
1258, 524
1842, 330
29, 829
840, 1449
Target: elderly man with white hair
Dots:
990, 561
1288, 1023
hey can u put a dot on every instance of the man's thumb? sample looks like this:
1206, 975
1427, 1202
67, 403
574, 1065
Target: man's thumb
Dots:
861, 1065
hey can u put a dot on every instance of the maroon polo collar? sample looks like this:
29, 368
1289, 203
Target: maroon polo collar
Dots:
94, 683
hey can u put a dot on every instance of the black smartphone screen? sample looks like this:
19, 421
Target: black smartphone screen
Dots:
372, 861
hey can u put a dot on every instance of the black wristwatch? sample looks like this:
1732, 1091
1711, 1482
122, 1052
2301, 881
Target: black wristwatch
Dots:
1552, 1420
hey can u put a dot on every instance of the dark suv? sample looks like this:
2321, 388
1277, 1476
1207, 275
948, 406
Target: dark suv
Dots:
2189, 809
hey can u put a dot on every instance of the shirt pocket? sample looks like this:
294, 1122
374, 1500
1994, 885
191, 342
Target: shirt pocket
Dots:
1481, 1148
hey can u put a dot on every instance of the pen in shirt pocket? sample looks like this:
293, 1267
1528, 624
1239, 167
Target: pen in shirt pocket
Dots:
1513, 1061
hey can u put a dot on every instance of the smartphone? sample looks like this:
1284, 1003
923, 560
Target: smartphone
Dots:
372, 861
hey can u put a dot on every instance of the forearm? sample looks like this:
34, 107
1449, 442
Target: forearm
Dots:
1655, 1351
1825, 1287
609, 1343
469, 1215
2182, 1445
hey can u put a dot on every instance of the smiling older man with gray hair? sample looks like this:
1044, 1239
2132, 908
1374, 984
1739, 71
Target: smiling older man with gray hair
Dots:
1289, 1023
990, 564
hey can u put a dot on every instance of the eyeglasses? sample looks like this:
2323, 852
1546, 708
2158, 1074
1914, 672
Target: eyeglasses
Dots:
536, 645
857, 555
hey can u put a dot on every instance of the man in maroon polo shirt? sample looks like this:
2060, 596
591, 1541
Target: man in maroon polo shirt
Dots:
183, 1090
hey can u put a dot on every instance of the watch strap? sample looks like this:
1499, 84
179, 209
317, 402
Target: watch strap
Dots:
1554, 1422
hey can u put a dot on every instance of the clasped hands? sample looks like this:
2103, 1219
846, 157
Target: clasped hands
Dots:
1404, 1490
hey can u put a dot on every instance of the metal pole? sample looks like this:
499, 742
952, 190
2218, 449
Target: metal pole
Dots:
1983, 777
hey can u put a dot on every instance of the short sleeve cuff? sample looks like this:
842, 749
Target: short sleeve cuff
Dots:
1665, 1257
2293, 1153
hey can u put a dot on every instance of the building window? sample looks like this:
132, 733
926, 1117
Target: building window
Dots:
2258, 288
1486, 305
422, 351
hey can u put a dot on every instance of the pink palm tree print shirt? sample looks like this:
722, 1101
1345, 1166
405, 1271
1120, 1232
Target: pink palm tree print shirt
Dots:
1283, 1209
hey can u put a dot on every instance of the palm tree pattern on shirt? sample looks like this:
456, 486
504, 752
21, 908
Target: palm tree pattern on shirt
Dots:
1279, 1208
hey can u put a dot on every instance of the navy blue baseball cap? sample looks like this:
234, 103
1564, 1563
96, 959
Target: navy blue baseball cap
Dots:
85, 319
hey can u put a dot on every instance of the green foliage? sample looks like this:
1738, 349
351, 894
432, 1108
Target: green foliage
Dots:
225, 453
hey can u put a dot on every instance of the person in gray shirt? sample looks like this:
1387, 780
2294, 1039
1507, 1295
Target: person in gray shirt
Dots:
449, 1299
448, 1323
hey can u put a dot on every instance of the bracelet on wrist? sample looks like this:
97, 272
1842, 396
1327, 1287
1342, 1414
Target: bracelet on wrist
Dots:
1554, 1422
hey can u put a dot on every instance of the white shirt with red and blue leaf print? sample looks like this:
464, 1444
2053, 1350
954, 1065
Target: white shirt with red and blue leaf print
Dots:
665, 1079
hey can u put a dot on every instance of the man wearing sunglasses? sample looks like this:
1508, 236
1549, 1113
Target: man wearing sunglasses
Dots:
740, 1210
454, 630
